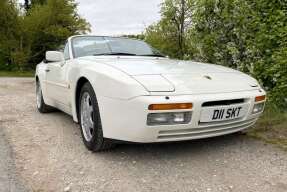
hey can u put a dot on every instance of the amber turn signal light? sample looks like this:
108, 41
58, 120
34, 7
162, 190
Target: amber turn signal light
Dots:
260, 98
170, 106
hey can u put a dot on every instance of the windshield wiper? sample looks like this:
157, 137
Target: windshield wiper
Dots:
114, 53
153, 55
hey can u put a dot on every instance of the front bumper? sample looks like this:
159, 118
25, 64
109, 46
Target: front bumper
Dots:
126, 120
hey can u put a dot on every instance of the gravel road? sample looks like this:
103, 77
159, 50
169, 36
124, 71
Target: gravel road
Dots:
47, 154
8, 178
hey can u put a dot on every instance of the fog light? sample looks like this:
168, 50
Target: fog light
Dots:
178, 117
158, 118
168, 118
258, 108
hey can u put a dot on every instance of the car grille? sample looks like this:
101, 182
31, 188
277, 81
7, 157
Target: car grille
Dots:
223, 102
206, 130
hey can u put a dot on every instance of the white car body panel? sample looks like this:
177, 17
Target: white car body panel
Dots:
126, 85
130, 124
155, 83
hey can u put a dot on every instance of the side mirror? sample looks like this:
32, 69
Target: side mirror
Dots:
54, 56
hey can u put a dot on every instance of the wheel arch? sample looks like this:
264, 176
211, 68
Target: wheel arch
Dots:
81, 81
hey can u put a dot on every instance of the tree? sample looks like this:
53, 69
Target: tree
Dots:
49, 25
219, 32
26, 5
10, 31
39, 2
138, 36
172, 28
45, 26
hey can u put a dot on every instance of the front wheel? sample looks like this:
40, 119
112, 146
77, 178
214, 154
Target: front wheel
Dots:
90, 120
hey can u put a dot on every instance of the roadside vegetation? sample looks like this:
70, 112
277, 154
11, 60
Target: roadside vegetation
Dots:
250, 36
17, 73
29, 29
271, 128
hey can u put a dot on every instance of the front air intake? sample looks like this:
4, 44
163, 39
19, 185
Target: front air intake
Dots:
222, 102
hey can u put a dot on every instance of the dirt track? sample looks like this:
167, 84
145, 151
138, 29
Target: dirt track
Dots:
49, 156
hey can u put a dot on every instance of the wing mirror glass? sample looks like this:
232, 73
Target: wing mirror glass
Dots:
54, 56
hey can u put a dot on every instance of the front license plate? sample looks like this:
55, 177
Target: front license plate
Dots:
209, 114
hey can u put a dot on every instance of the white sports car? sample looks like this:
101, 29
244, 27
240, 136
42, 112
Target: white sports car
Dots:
121, 89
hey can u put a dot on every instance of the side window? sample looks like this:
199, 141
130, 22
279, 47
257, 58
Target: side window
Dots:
66, 52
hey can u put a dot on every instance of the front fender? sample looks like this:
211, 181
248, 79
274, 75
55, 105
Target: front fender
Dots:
112, 83
106, 82
41, 74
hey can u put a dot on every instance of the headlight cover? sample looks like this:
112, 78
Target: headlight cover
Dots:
258, 108
170, 118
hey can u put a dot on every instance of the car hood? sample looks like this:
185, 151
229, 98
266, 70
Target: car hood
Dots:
152, 66
180, 77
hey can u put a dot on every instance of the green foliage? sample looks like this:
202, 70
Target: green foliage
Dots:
26, 5
271, 127
250, 36
159, 37
169, 35
49, 25
139, 36
29, 3
17, 73
45, 26
9, 32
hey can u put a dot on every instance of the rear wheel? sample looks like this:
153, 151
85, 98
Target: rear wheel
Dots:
41, 106
90, 120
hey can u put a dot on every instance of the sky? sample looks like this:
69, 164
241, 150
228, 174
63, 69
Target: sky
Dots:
118, 17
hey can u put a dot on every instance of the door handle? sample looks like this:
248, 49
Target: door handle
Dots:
47, 70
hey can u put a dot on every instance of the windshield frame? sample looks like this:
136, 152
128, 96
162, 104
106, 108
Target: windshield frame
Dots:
157, 52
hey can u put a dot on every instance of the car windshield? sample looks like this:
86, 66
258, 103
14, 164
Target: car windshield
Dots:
96, 46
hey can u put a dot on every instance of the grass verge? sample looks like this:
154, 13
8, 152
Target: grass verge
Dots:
17, 73
271, 127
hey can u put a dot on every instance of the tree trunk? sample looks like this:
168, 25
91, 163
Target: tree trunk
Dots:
181, 29
26, 5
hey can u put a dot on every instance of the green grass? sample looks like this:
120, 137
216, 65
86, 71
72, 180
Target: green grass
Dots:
271, 128
17, 73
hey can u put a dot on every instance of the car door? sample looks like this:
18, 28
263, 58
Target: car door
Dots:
57, 85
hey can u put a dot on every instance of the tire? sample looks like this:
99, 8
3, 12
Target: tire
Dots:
41, 106
90, 121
